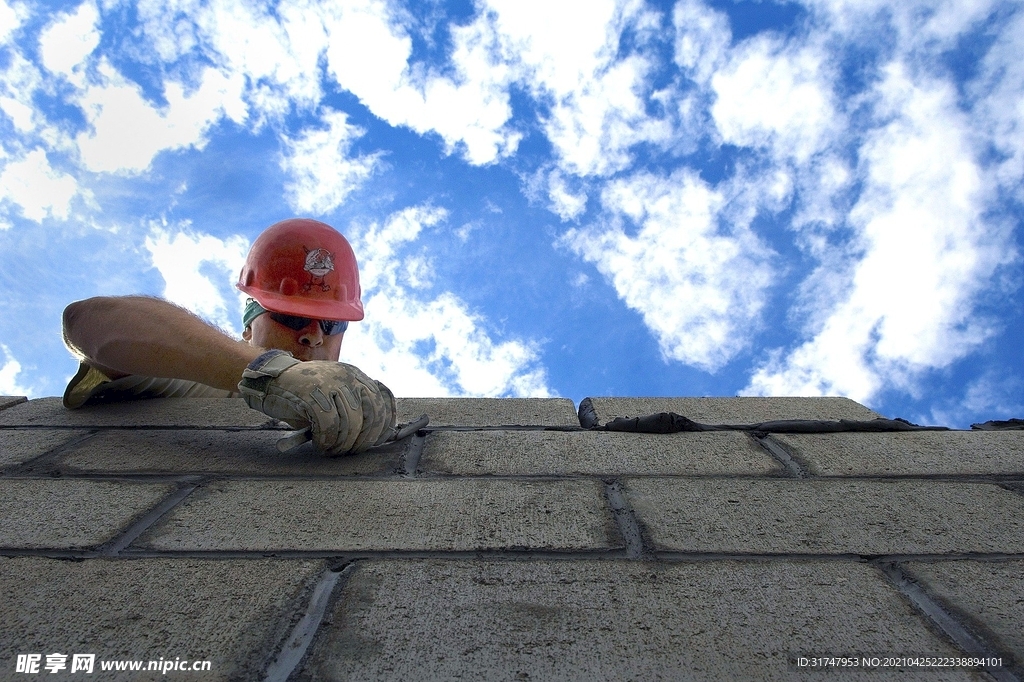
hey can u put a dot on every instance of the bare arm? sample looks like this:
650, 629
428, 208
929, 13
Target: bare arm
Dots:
152, 337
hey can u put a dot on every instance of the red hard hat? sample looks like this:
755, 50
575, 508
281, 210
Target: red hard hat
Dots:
303, 267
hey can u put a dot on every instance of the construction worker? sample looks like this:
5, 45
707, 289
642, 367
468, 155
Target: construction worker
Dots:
303, 282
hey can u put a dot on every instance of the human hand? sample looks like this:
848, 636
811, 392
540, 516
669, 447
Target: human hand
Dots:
346, 410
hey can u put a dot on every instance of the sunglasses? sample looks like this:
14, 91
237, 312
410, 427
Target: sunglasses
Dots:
328, 327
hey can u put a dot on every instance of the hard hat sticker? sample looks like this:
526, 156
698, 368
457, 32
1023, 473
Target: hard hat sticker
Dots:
318, 263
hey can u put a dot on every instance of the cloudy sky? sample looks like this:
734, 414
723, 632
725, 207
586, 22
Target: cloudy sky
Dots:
547, 198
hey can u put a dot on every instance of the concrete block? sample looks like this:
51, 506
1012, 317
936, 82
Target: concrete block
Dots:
353, 515
229, 612
68, 513
179, 412
613, 620
992, 593
909, 453
11, 400
745, 410
828, 516
490, 411
593, 453
21, 445
228, 452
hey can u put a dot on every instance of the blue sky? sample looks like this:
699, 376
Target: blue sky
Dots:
546, 198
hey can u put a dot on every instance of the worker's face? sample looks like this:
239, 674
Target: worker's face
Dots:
308, 343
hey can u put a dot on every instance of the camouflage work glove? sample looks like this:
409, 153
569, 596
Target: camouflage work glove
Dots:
346, 410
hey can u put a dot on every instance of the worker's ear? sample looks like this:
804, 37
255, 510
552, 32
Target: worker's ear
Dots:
247, 334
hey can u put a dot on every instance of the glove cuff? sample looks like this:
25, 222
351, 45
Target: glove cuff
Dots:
269, 364
264, 369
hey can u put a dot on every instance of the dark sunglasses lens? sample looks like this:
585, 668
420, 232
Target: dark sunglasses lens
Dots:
329, 327
332, 327
291, 321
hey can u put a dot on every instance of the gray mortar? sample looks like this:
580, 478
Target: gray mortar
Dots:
294, 648
732, 410
989, 592
412, 455
630, 528
949, 623
793, 466
18, 446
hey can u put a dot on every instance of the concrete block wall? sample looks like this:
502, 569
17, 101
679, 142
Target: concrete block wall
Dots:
504, 541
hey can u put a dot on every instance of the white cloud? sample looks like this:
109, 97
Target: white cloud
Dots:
38, 189
594, 128
598, 107
567, 204
561, 60
438, 347
19, 112
999, 90
825, 185
128, 132
271, 56
66, 42
702, 39
769, 94
368, 51
898, 296
368, 54
171, 27
9, 372
776, 98
277, 51
927, 251
996, 393
570, 60
930, 26
467, 229
323, 174
278, 54
19, 79
698, 280
11, 18
428, 346
185, 259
